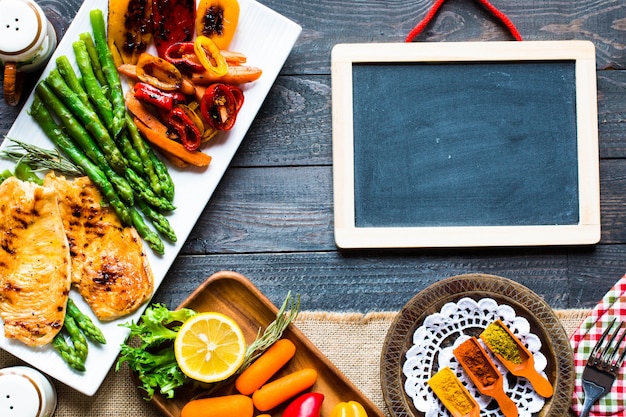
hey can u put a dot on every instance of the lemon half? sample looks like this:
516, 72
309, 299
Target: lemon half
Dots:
209, 347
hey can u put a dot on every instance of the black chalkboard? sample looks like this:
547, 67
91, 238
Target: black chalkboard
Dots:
465, 144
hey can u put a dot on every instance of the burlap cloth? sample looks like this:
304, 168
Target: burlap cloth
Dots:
353, 342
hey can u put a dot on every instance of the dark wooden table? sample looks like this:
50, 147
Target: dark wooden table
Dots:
271, 217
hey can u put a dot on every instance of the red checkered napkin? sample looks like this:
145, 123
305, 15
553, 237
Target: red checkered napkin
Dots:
613, 304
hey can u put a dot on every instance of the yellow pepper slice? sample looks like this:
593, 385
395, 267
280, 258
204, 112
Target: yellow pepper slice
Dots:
158, 72
348, 409
210, 56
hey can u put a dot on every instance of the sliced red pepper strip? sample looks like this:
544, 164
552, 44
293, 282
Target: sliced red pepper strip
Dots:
173, 21
210, 57
183, 54
219, 106
162, 99
158, 72
187, 131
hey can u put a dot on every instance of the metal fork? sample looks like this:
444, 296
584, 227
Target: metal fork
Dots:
602, 367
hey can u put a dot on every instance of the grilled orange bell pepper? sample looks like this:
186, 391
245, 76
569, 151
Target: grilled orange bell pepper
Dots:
217, 20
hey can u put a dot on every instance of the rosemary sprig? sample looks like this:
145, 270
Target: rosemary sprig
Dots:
40, 159
274, 331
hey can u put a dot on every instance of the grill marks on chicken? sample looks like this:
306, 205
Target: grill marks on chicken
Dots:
34, 263
110, 270
60, 235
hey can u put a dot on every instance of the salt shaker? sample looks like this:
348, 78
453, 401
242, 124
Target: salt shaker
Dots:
27, 39
26, 392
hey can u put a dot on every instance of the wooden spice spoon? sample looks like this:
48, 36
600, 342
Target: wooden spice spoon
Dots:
524, 369
484, 374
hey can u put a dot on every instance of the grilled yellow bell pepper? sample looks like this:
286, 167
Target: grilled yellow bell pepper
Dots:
129, 29
348, 409
210, 57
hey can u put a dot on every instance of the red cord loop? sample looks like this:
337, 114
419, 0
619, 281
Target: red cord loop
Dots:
437, 5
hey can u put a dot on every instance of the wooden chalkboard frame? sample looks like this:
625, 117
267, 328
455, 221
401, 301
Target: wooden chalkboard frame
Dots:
587, 229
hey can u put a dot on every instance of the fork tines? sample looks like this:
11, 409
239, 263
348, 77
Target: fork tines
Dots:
605, 356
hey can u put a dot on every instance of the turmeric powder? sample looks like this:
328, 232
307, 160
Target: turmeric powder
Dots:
501, 343
451, 392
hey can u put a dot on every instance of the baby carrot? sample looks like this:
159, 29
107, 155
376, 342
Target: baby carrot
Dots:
224, 406
265, 366
280, 390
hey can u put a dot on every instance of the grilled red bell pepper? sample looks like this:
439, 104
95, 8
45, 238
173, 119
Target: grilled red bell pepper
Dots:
306, 405
182, 55
184, 126
238, 94
162, 99
173, 21
219, 105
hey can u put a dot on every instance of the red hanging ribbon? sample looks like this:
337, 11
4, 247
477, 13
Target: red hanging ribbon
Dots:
437, 5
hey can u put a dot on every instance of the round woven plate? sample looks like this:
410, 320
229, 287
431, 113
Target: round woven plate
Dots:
527, 304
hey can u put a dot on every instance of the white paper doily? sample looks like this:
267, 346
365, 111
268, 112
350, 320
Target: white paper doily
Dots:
440, 333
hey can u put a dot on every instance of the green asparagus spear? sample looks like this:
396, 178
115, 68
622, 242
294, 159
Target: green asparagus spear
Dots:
109, 69
167, 184
68, 353
77, 337
160, 222
85, 323
78, 133
142, 150
95, 63
101, 102
142, 189
58, 136
146, 233
70, 77
89, 119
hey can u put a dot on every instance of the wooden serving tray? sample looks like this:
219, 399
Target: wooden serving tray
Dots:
234, 295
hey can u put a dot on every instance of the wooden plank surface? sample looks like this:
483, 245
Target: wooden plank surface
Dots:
271, 216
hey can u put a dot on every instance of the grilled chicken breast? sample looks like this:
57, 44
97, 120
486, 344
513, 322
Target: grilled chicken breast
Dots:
109, 266
34, 263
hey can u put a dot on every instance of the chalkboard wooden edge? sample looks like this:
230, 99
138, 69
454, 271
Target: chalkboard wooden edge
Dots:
467, 236
347, 236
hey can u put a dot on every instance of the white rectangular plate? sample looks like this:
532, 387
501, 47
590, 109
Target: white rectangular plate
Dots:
266, 38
